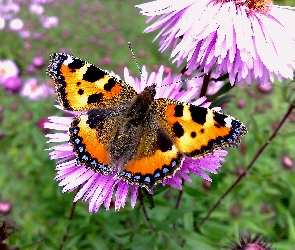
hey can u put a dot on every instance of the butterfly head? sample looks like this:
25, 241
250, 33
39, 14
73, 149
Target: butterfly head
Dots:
151, 90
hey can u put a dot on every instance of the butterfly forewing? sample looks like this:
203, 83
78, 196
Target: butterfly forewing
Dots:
197, 131
81, 86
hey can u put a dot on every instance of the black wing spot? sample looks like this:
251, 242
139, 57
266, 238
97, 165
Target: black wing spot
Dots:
76, 64
93, 74
219, 118
178, 110
193, 134
178, 129
198, 114
217, 125
163, 142
78, 83
202, 131
110, 84
94, 98
81, 91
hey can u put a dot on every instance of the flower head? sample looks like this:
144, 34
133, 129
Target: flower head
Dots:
8, 69
2, 23
247, 242
49, 22
16, 24
98, 189
34, 91
36, 9
250, 40
12, 84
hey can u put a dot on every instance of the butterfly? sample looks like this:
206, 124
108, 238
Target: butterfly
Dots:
142, 138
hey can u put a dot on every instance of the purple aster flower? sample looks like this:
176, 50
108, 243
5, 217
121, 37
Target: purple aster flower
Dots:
49, 22
38, 61
249, 40
12, 84
100, 189
247, 242
36, 9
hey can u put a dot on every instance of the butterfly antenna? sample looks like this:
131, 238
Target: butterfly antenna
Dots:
200, 76
130, 47
132, 52
185, 80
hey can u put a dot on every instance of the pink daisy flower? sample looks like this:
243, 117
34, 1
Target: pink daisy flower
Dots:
34, 91
2, 23
49, 22
36, 9
249, 40
16, 24
100, 189
8, 69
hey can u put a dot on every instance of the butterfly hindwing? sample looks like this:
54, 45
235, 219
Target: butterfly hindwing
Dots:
156, 158
80, 85
91, 134
195, 130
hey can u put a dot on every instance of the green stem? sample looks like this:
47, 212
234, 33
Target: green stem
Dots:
259, 152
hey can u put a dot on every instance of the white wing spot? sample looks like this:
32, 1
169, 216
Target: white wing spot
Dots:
228, 121
68, 61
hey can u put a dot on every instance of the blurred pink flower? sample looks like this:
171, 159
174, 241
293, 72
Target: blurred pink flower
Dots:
16, 24
40, 124
99, 189
12, 7
31, 69
5, 207
12, 84
8, 69
36, 9
265, 88
34, 91
37, 36
49, 22
250, 40
2, 23
7, 10
38, 61
25, 34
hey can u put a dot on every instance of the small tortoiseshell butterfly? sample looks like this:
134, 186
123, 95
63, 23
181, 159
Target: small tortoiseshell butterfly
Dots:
146, 138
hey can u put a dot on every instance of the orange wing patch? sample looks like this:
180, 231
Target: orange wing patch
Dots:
90, 151
80, 85
148, 171
198, 131
155, 159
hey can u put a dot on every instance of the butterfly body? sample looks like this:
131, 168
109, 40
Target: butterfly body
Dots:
143, 139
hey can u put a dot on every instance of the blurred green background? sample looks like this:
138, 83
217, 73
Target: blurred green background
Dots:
98, 32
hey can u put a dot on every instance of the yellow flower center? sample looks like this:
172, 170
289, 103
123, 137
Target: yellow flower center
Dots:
2, 71
34, 87
262, 6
